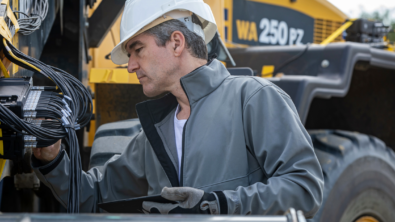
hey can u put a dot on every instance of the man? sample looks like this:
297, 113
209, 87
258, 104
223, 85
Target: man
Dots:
215, 143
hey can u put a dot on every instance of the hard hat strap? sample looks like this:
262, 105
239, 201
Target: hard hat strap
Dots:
192, 26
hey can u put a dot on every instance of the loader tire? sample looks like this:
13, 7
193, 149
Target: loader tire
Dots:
359, 175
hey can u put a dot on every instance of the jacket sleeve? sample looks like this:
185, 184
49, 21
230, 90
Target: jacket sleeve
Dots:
283, 148
96, 187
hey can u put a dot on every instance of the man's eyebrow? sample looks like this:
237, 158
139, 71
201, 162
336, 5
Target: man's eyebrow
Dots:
131, 46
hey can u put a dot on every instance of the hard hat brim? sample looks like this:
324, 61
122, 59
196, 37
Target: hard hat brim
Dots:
202, 10
119, 53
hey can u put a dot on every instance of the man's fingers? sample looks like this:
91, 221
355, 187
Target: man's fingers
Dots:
47, 154
175, 193
37, 152
153, 207
188, 197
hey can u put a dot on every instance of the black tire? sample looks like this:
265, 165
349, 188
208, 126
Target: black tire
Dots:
359, 174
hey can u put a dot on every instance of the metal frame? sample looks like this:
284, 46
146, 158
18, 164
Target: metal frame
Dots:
102, 20
316, 71
291, 216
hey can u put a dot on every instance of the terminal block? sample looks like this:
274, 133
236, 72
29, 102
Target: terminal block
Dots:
26, 102
13, 95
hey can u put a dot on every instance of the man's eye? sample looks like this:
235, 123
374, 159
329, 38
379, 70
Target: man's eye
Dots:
138, 50
128, 55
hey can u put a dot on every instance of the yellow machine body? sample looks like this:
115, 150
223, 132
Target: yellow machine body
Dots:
279, 22
324, 19
6, 12
4, 62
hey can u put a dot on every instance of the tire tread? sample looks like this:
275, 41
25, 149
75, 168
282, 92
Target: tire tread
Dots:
337, 149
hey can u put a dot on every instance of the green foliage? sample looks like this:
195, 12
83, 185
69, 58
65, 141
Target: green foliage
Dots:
383, 15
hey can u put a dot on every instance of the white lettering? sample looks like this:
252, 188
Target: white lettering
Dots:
278, 32
292, 35
282, 33
265, 26
300, 37
273, 32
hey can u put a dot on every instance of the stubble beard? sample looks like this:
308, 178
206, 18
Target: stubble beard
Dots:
166, 81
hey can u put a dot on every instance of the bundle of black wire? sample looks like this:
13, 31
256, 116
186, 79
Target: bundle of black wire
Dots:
48, 105
54, 125
30, 20
8, 118
80, 104
44, 143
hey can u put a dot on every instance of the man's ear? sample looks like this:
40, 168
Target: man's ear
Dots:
177, 41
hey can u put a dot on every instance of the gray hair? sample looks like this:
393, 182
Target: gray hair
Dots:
194, 43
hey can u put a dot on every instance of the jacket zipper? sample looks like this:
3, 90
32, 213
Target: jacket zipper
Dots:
182, 156
183, 141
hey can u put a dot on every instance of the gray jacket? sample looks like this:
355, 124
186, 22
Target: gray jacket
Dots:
243, 139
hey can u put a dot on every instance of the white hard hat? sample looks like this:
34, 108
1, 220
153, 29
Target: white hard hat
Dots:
141, 15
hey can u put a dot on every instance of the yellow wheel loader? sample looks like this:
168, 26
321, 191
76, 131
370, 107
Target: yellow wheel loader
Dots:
339, 73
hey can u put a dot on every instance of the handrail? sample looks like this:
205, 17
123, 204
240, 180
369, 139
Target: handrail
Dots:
338, 32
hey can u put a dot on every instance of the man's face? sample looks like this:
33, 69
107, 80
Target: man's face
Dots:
153, 64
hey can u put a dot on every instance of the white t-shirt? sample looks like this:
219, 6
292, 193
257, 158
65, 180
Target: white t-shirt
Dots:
178, 129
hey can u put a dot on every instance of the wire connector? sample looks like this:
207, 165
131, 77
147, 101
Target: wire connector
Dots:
31, 145
67, 98
30, 114
65, 112
32, 101
28, 138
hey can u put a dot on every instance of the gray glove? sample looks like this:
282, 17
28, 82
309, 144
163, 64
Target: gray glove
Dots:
190, 201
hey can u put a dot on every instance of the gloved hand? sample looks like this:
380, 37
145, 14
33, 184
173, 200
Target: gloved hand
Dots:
190, 201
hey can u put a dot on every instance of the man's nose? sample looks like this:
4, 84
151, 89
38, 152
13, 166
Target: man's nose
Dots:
133, 65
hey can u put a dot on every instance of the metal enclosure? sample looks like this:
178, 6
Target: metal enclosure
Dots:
344, 86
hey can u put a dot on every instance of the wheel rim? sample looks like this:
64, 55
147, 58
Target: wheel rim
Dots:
367, 219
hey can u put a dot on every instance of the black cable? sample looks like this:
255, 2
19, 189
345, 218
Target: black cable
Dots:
69, 112
290, 60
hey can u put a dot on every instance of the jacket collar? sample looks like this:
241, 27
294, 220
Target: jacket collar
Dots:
203, 80
197, 84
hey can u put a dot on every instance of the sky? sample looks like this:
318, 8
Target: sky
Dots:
353, 8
